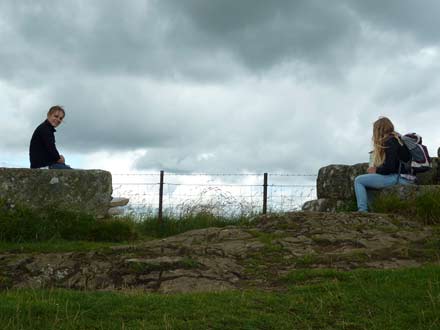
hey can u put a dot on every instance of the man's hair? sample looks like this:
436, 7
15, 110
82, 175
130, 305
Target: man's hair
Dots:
56, 108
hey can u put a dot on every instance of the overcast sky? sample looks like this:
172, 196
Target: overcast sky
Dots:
217, 85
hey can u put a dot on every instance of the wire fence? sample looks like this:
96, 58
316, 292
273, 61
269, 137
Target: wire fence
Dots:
220, 194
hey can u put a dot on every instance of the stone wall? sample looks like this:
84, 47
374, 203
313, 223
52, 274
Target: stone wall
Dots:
336, 181
86, 191
335, 185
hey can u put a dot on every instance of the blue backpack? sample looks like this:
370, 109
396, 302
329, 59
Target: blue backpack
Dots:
420, 160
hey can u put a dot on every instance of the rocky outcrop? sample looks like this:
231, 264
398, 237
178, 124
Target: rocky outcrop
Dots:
335, 185
86, 191
326, 205
217, 259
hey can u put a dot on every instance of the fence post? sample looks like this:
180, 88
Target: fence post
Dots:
160, 216
265, 194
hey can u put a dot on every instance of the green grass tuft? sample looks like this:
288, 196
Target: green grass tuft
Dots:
427, 207
151, 227
347, 206
424, 208
23, 225
22, 229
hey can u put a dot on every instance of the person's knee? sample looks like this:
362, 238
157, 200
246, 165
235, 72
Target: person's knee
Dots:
358, 179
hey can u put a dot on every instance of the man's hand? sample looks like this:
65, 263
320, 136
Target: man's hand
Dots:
61, 160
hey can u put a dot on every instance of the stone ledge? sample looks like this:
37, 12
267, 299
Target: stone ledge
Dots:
119, 201
323, 205
86, 191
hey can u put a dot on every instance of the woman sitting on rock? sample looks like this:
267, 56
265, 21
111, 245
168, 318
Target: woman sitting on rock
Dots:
42, 150
386, 165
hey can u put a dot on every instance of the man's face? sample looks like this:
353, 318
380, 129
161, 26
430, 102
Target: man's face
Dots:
55, 118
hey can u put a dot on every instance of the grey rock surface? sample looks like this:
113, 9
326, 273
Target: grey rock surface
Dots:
431, 177
217, 259
87, 191
115, 211
324, 205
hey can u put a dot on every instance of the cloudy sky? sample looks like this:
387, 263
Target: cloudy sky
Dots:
217, 85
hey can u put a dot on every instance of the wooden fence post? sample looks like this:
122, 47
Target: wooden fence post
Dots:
265, 194
160, 215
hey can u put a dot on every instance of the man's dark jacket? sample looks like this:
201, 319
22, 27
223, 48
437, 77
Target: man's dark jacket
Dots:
42, 151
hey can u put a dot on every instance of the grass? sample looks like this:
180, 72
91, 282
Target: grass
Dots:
19, 224
149, 226
424, 207
24, 230
304, 299
347, 206
55, 245
311, 299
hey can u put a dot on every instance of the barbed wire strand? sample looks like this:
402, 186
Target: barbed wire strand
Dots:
216, 174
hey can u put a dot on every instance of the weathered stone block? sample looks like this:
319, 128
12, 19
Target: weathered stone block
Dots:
336, 181
87, 191
432, 176
323, 205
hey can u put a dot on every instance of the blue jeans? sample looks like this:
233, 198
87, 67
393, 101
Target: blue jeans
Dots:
373, 181
59, 166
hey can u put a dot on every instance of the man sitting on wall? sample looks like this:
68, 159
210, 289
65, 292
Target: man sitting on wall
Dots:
42, 150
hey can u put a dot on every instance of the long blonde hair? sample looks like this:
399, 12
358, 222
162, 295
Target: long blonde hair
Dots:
382, 129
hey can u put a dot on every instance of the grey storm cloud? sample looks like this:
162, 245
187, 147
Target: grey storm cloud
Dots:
419, 19
418, 84
193, 39
202, 40
218, 84
261, 34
